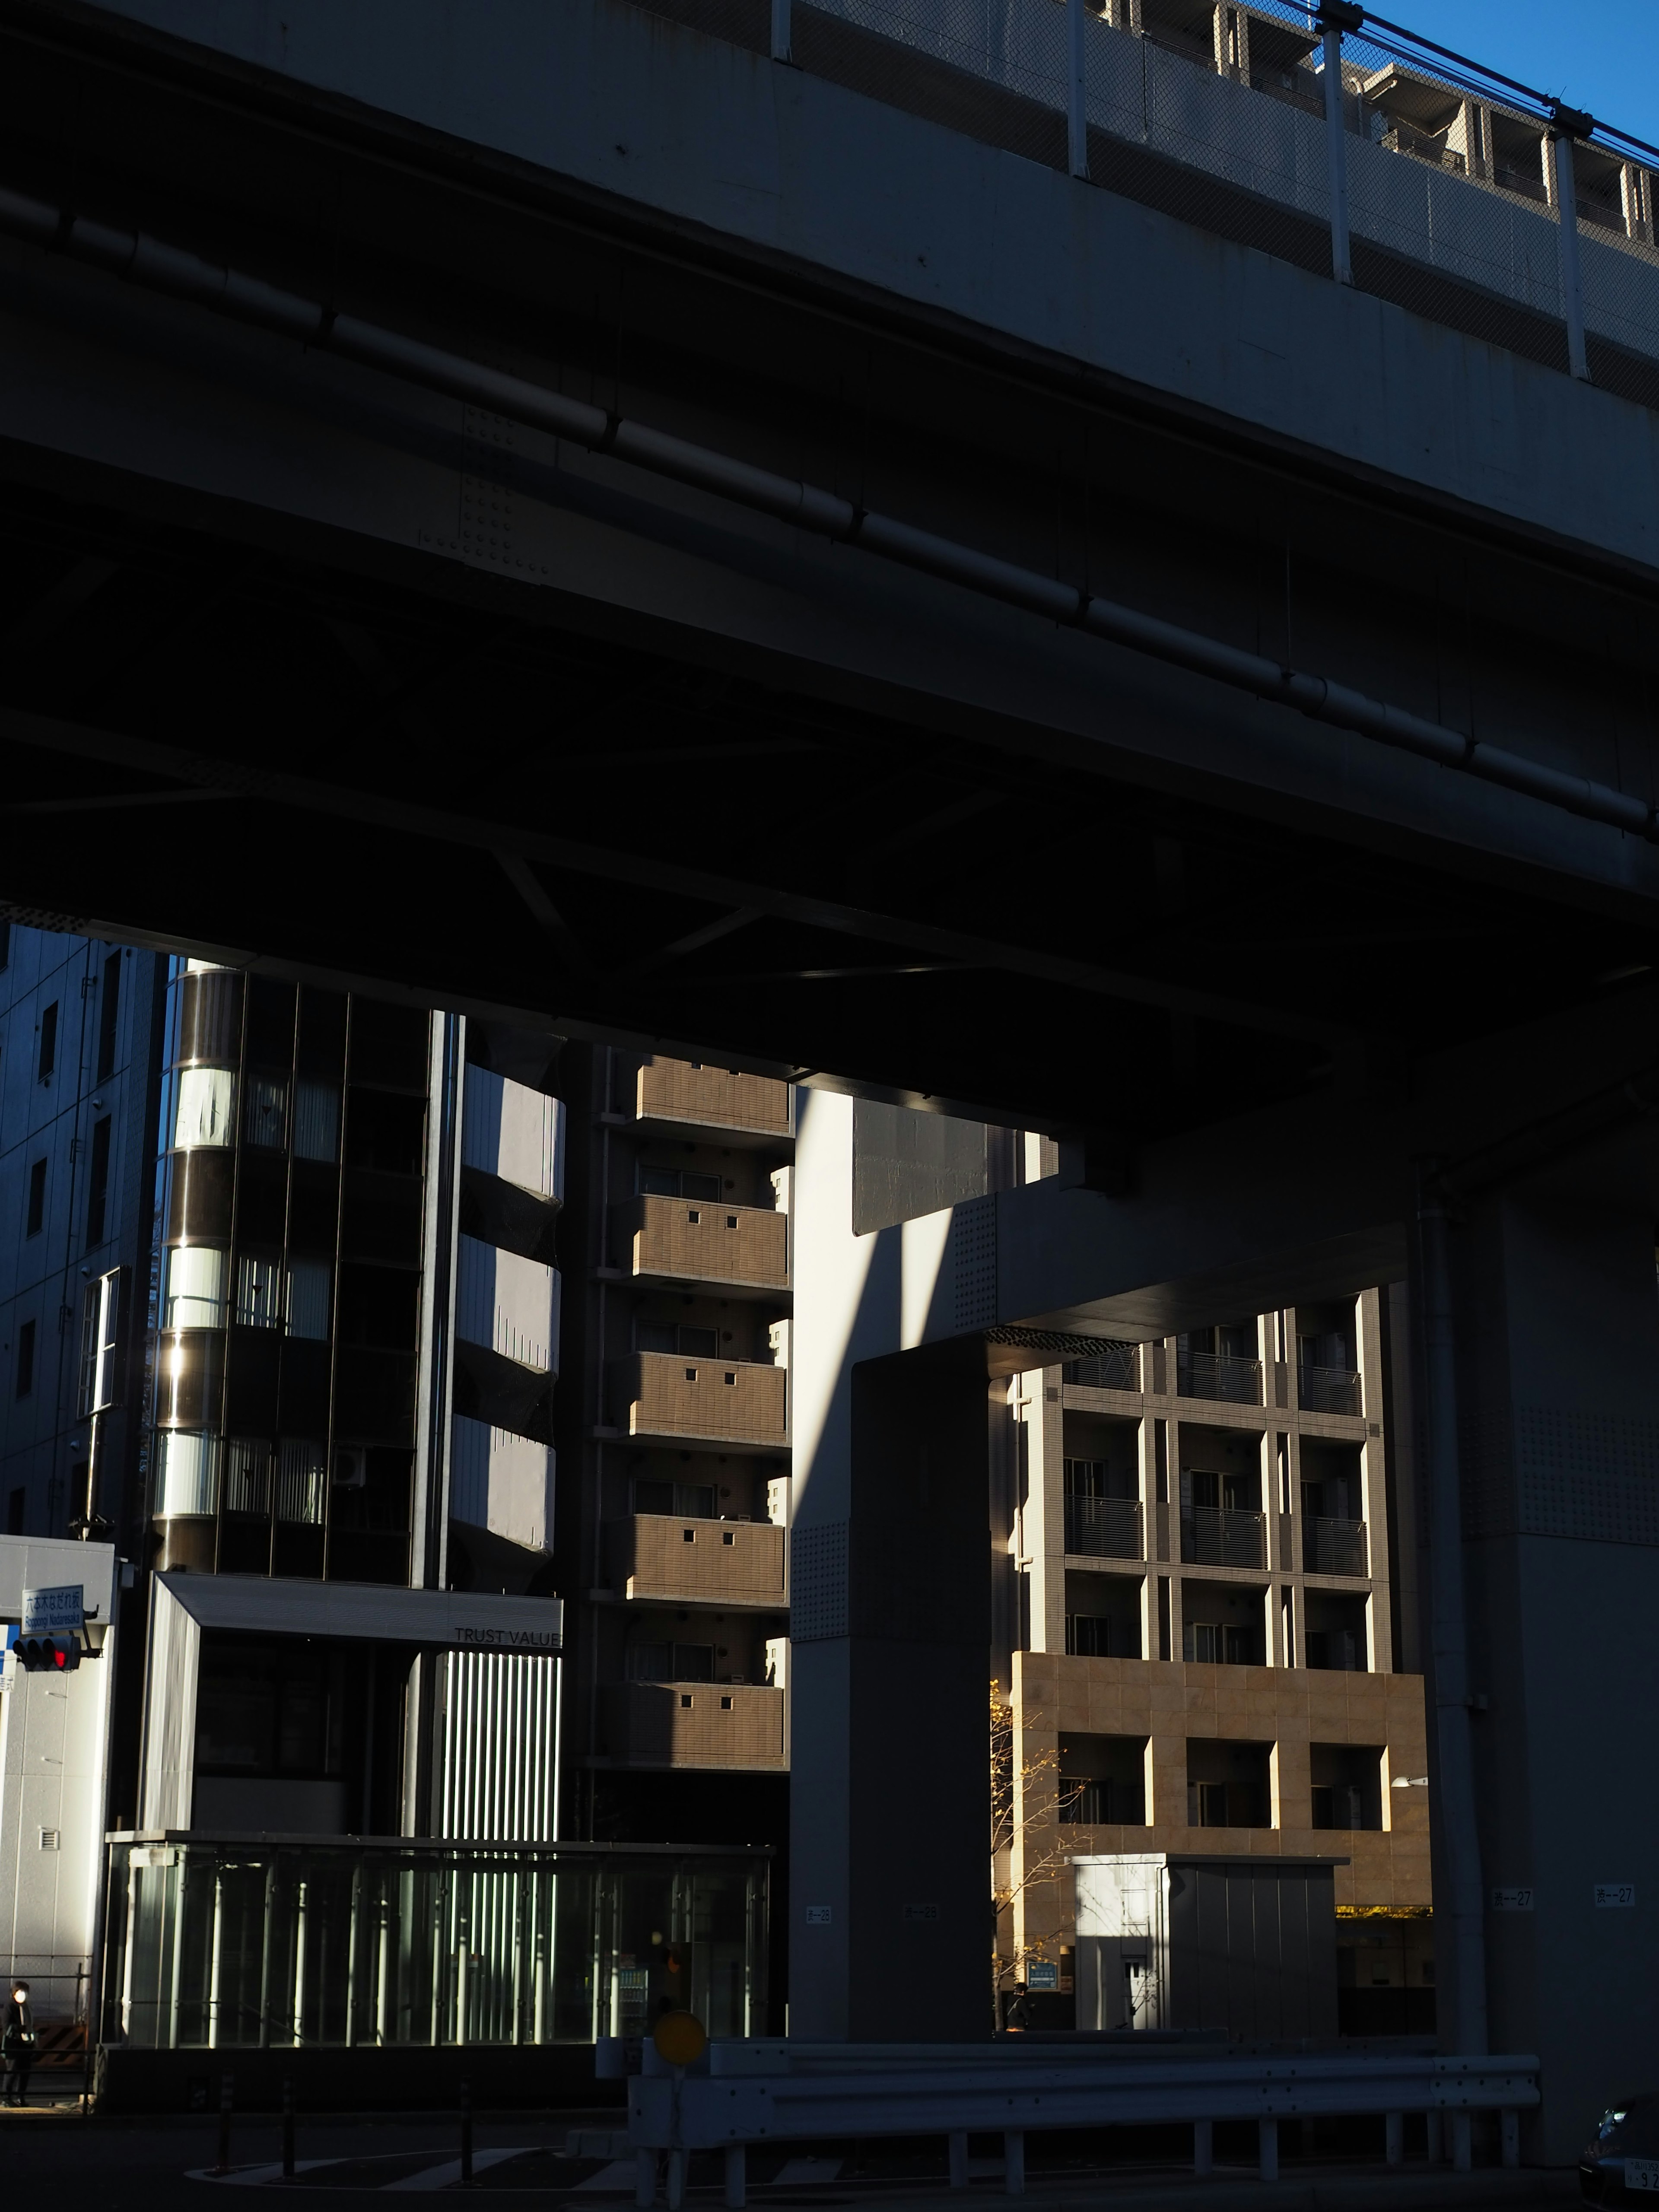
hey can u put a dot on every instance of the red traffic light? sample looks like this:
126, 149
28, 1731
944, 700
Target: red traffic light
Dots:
48, 1655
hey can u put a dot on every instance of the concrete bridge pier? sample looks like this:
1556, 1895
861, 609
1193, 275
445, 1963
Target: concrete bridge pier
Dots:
1533, 1457
888, 1876
1555, 1483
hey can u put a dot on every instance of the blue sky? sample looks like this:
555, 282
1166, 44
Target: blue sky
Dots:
1603, 55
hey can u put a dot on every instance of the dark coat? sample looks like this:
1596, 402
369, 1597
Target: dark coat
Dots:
18, 2040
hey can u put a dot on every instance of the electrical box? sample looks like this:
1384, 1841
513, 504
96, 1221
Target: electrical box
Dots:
1177, 1940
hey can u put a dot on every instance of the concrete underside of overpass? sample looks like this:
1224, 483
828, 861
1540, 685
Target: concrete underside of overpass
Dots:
320, 670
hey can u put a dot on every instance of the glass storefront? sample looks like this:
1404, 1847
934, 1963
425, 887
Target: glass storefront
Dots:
222, 1943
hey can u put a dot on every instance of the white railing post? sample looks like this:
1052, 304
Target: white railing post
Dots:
1267, 2154
780, 31
1569, 126
1076, 111
1333, 21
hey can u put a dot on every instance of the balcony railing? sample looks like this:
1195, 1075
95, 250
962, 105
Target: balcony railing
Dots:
1218, 1375
681, 1096
683, 1241
710, 1724
1222, 1537
1327, 1390
662, 1394
1333, 1548
1115, 1369
244, 1941
680, 1557
1104, 1528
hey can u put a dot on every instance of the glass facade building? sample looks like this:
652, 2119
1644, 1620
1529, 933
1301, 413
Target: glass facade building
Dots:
288, 1281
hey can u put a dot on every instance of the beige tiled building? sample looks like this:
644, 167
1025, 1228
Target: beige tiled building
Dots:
675, 1718
1216, 1646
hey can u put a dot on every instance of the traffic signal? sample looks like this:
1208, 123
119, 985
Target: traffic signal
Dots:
48, 1655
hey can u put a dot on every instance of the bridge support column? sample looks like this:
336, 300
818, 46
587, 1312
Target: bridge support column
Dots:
890, 1737
1556, 1452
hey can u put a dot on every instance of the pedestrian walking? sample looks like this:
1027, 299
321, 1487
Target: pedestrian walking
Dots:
18, 2044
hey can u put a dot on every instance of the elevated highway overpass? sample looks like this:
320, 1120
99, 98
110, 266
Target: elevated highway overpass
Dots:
1079, 665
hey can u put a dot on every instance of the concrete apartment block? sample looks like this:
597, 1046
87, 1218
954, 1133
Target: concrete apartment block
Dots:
680, 1198
1217, 1653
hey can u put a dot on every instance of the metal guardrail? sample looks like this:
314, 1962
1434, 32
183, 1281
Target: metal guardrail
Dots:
1104, 1528
1216, 1374
1113, 1370
1222, 1537
1333, 1548
767, 2091
1327, 1390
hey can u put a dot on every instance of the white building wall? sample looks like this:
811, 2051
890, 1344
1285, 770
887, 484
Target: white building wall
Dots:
512, 1132
54, 1764
503, 1482
507, 1304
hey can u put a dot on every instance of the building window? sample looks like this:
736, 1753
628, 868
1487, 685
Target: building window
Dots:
36, 1212
15, 1500
206, 1108
1219, 1643
676, 1337
1103, 1781
101, 1322
316, 1121
247, 1476
690, 1501
300, 1466
98, 1182
259, 1295
307, 1299
48, 1059
25, 1359
671, 1663
1229, 1784
677, 1182
264, 1112
109, 1014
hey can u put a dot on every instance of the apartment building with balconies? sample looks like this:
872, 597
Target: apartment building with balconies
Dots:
676, 1715
1218, 1632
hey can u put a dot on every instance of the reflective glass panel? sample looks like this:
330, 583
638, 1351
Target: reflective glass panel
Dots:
187, 1472
258, 1295
316, 1121
207, 1107
300, 1486
247, 1476
307, 1298
196, 1287
264, 1111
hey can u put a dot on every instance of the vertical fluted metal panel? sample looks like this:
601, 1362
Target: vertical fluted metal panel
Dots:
500, 1717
